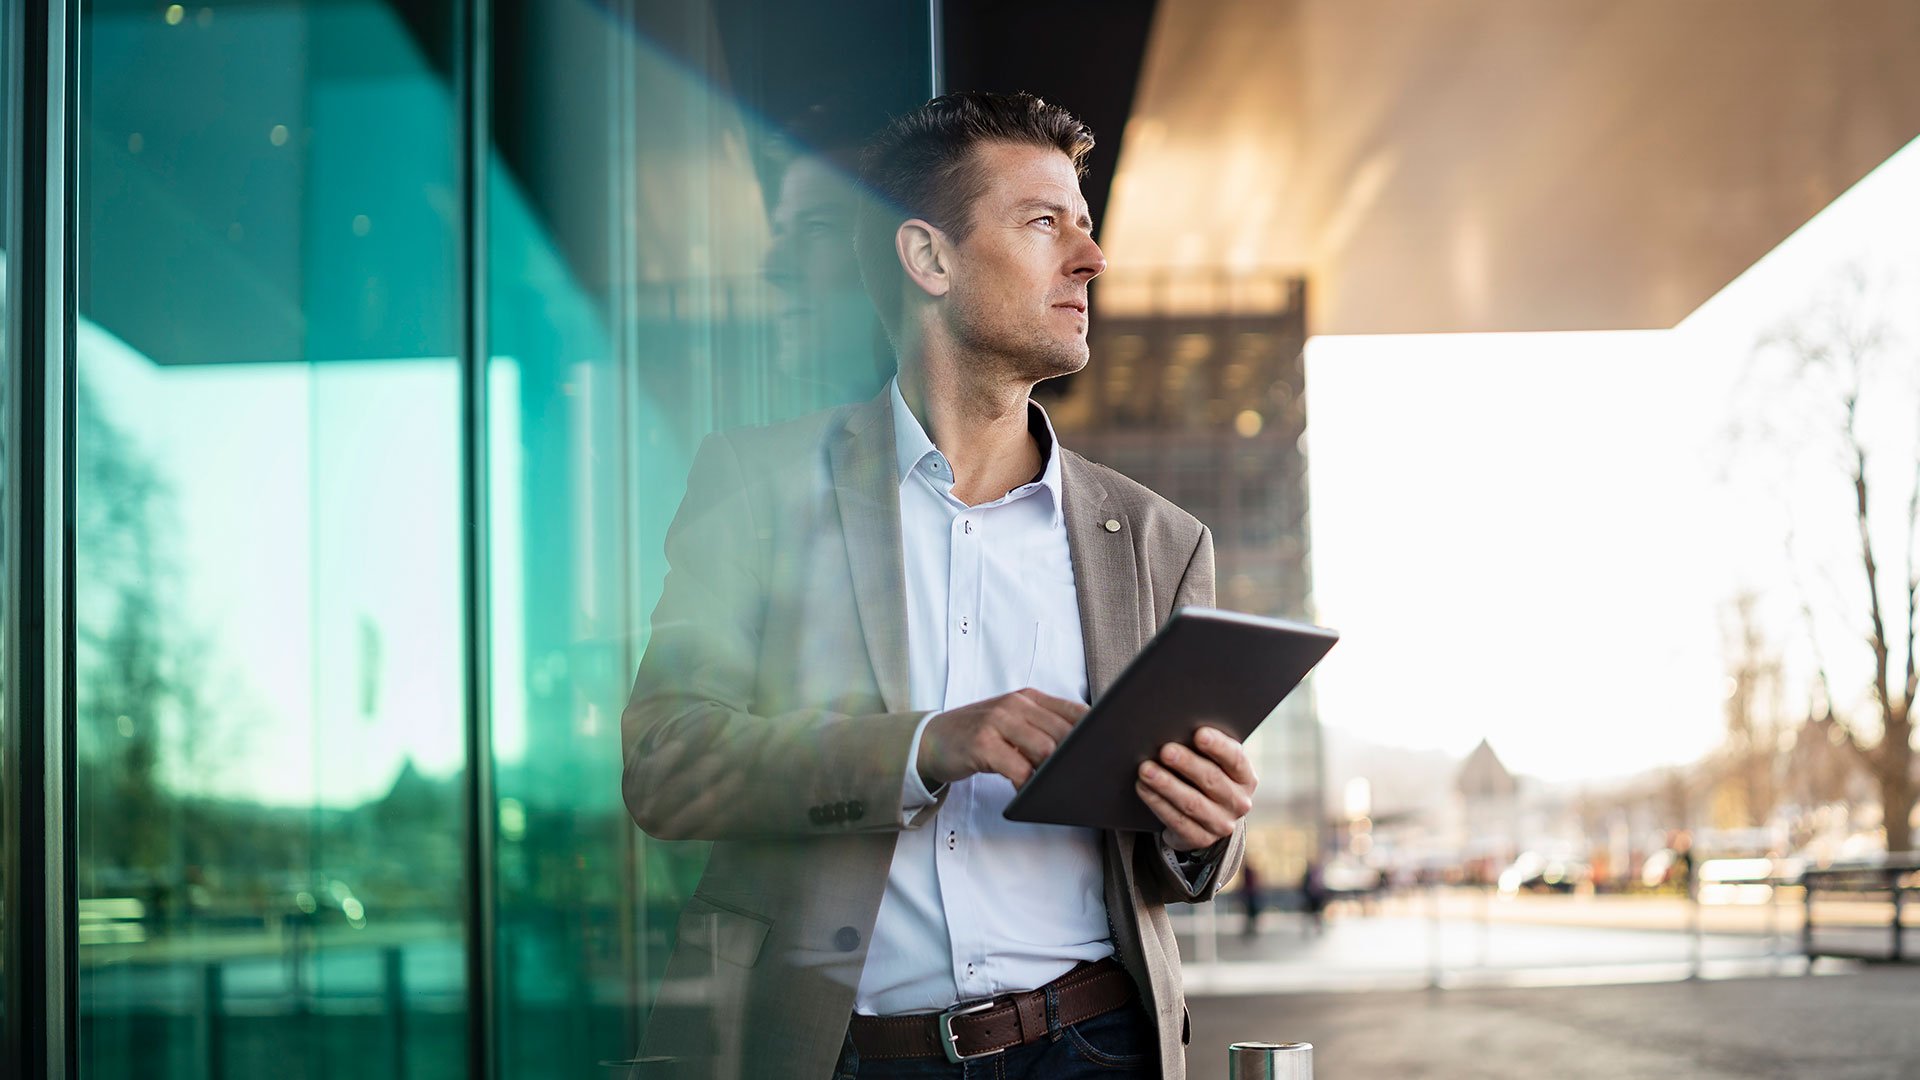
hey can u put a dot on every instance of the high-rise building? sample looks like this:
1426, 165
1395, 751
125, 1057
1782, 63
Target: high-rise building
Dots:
1196, 388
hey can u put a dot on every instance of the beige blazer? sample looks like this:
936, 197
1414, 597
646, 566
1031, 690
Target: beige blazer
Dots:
780, 643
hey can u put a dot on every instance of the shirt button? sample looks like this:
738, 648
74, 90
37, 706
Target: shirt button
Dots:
964, 624
952, 839
967, 525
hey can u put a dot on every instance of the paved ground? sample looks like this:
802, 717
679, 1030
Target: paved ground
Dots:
1400, 948
1856, 1025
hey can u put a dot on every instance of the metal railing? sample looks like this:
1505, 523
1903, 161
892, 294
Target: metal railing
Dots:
1896, 878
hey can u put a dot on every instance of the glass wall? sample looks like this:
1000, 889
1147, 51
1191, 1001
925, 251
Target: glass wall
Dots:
670, 252
273, 611
269, 618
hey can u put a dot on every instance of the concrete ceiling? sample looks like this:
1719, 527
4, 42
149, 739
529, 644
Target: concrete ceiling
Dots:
1475, 165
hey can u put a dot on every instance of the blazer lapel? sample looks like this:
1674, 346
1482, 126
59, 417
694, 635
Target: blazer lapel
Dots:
1106, 577
866, 485
1105, 572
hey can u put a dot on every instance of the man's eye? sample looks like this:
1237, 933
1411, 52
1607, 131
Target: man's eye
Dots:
1044, 219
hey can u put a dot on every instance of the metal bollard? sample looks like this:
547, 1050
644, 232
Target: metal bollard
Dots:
1270, 1061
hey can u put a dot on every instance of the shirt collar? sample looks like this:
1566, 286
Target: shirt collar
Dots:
912, 446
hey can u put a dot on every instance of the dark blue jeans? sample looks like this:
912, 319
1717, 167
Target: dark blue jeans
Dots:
1121, 1043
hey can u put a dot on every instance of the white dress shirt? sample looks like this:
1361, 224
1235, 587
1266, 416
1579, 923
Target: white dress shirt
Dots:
977, 905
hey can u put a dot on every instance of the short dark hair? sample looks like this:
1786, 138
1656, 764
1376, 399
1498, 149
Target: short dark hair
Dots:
922, 165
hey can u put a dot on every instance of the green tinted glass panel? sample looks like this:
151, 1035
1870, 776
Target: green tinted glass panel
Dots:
670, 249
269, 611
271, 616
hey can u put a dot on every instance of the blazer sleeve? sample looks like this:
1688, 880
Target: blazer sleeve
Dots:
811, 772
1171, 877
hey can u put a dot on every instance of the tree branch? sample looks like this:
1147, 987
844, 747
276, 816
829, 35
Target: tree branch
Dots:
1878, 641
1911, 681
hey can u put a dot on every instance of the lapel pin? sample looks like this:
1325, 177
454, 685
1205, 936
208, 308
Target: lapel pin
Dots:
1113, 524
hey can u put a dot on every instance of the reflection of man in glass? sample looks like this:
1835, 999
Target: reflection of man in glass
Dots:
826, 338
877, 622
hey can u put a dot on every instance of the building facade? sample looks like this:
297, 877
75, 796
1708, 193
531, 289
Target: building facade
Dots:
1198, 390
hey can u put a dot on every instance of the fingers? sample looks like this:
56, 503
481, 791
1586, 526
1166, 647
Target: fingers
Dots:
1055, 715
1228, 753
1066, 709
1010, 761
1033, 729
1182, 832
1207, 775
1187, 811
1033, 744
1010, 735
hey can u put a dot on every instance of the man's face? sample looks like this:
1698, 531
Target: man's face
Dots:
824, 320
1019, 279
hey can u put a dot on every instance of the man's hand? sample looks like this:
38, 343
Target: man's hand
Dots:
1199, 796
1010, 735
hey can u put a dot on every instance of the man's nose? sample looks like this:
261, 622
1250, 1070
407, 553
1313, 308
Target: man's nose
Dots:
778, 263
1088, 263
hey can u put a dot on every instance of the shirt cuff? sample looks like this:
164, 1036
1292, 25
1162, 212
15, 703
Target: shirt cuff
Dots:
1194, 868
914, 796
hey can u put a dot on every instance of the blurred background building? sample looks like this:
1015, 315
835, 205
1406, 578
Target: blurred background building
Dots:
356, 351
1200, 395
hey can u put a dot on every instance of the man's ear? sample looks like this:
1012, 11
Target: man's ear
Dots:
923, 252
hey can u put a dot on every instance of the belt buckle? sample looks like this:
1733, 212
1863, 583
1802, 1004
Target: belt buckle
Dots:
949, 1042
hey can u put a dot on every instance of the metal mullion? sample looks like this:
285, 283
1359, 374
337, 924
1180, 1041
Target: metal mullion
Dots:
936, 48
14, 1055
624, 304
472, 87
41, 958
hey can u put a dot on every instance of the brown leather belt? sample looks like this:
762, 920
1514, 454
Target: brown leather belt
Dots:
970, 1030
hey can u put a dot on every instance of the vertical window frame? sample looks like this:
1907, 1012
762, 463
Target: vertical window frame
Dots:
42, 85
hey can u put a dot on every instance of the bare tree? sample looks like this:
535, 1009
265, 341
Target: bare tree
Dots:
1752, 752
1853, 406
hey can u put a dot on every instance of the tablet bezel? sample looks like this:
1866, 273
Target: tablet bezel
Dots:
1300, 647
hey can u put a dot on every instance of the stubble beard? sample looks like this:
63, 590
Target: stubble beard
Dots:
1014, 349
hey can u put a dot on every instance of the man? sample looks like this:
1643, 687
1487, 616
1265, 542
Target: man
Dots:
828, 347
877, 622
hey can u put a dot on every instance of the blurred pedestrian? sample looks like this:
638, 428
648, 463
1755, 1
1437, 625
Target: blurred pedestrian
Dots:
1250, 893
1313, 899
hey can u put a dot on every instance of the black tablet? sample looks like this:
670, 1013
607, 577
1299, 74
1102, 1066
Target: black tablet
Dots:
1205, 668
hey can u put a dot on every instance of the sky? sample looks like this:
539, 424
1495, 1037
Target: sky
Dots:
1533, 538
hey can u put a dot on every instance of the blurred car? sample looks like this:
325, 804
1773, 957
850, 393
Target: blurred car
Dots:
1535, 872
1658, 868
1345, 875
329, 902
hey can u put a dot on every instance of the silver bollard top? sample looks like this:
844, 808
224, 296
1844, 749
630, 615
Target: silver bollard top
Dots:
1270, 1061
